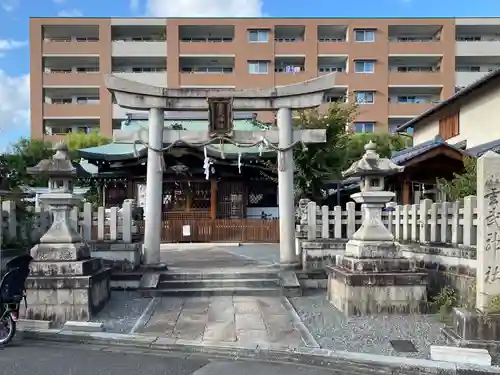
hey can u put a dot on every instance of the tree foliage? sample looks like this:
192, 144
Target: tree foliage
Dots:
326, 161
463, 184
28, 152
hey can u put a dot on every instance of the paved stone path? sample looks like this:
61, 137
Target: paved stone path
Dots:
225, 319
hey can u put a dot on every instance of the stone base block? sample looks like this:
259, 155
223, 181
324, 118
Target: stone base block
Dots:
60, 251
317, 255
372, 249
473, 329
376, 293
378, 265
66, 268
63, 298
118, 255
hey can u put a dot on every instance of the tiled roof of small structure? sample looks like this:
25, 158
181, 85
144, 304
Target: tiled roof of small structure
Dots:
485, 147
194, 122
409, 153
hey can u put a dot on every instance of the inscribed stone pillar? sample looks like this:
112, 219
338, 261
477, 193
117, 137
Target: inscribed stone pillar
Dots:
488, 229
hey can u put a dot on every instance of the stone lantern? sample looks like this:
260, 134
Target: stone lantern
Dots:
372, 169
373, 276
65, 283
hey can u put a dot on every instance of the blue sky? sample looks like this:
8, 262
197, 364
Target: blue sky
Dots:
14, 52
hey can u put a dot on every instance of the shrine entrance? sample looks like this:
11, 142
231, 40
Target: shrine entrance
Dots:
224, 211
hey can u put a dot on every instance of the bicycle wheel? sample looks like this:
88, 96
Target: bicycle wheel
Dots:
7, 329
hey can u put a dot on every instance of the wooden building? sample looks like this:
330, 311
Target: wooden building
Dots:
239, 192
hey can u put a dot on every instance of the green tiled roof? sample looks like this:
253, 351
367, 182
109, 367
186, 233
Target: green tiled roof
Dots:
122, 151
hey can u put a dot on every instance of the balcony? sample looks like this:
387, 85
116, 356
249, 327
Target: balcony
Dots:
147, 70
71, 71
477, 40
71, 39
129, 41
206, 71
71, 110
415, 39
412, 101
395, 122
289, 39
56, 129
470, 69
206, 39
415, 71
332, 39
73, 95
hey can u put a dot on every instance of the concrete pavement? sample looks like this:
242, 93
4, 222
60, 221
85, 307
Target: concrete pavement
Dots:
37, 359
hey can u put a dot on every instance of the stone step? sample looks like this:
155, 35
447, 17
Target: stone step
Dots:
219, 283
220, 291
217, 275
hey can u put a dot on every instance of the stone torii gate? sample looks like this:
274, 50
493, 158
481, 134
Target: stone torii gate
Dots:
220, 104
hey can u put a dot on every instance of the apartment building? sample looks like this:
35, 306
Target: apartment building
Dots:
395, 68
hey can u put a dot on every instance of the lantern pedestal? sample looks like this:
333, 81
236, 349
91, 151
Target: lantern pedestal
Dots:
65, 283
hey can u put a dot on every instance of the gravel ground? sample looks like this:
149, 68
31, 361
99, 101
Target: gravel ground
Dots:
122, 311
371, 334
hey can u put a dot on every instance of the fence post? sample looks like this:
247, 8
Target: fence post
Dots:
455, 217
87, 221
101, 222
434, 223
127, 221
470, 203
113, 223
325, 223
73, 215
414, 223
390, 216
351, 219
397, 222
425, 206
337, 222
406, 235
311, 221
444, 222
10, 208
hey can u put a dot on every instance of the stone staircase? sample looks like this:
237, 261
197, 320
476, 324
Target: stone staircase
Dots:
251, 282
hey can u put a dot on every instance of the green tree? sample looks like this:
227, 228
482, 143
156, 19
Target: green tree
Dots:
326, 161
386, 144
81, 140
463, 184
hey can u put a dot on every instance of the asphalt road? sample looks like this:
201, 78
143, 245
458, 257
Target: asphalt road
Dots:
42, 358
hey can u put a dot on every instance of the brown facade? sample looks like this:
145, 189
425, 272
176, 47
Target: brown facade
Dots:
309, 52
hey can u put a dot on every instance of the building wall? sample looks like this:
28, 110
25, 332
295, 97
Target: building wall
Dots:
478, 119
163, 61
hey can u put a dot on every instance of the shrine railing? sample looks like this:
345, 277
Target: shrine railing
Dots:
452, 223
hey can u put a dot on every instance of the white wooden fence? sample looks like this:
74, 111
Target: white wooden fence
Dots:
93, 223
453, 223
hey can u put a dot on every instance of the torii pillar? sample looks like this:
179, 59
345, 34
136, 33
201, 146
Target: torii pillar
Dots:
157, 100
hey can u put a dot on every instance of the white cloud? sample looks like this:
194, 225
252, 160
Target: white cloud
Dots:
14, 102
204, 8
70, 13
8, 44
9, 5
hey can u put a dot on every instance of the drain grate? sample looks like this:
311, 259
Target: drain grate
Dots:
403, 346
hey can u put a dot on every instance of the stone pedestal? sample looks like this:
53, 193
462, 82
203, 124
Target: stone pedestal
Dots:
65, 283
360, 285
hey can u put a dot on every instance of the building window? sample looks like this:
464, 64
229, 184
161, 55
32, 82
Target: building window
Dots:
364, 35
365, 97
364, 127
258, 36
361, 66
258, 67
449, 126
